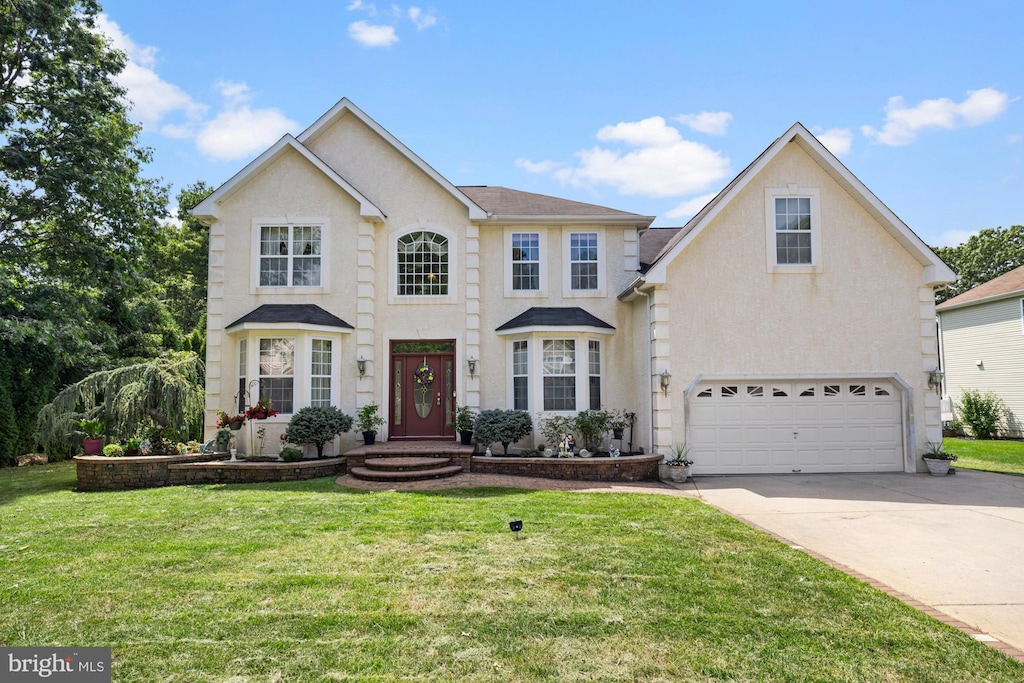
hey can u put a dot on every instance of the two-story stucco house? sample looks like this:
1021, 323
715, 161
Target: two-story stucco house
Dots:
788, 327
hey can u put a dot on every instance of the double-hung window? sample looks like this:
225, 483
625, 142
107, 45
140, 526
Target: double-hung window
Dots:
320, 374
525, 261
521, 375
559, 363
290, 255
583, 264
243, 360
793, 230
594, 373
277, 373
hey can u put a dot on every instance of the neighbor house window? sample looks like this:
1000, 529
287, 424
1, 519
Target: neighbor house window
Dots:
290, 255
525, 261
559, 374
583, 260
243, 359
520, 375
793, 230
320, 374
422, 264
277, 373
594, 373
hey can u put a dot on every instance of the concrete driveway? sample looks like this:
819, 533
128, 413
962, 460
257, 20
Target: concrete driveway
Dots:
954, 543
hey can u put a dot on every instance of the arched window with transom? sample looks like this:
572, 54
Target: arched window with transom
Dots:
423, 264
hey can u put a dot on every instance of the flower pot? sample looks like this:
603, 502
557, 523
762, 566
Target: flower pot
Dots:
235, 425
369, 438
92, 446
617, 432
939, 468
466, 437
678, 473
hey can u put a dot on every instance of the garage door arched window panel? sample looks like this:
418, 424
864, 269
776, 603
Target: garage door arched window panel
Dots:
422, 264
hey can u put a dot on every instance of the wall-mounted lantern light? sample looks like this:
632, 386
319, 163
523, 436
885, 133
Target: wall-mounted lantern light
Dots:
471, 362
935, 379
666, 377
361, 365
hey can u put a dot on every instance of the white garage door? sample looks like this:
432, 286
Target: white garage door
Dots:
743, 427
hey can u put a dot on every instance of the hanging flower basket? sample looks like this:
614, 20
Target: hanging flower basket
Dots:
261, 411
424, 375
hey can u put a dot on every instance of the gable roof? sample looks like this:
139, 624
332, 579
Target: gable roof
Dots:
652, 243
1006, 285
208, 210
345, 106
302, 314
540, 316
935, 271
508, 205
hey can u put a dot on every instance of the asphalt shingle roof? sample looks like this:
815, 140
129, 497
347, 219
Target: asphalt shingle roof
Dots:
502, 201
309, 314
554, 316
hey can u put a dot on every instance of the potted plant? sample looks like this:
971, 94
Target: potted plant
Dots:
223, 440
464, 418
937, 459
618, 420
368, 421
131, 446
261, 411
233, 422
679, 463
92, 444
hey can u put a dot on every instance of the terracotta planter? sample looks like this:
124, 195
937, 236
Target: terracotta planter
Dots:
92, 446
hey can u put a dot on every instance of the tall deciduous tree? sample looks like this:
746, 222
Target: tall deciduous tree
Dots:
987, 255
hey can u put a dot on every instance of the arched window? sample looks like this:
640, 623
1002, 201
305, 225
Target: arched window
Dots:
422, 264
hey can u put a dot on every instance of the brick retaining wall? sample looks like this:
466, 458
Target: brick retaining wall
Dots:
100, 473
624, 468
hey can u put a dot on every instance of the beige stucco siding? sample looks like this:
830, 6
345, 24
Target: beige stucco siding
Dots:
862, 313
993, 334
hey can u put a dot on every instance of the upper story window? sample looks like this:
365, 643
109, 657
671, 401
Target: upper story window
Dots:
525, 261
290, 255
792, 230
583, 262
422, 264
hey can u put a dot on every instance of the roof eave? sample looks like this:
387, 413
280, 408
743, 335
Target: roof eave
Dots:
942, 308
615, 219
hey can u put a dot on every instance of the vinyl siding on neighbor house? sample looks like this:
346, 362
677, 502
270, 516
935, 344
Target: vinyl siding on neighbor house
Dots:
992, 333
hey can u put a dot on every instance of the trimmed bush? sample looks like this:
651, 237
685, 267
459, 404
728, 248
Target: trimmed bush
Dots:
502, 426
981, 413
317, 426
291, 454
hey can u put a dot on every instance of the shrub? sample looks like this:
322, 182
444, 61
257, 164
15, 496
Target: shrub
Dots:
291, 454
317, 426
504, 426
554, 427
591, 426
981, 413
113, 450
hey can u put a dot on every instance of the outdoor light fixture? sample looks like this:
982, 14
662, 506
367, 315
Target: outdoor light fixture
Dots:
516, 526
666, 376
361, 364
935, 378
471, 361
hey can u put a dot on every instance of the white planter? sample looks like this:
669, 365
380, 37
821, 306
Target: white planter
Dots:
678, 473
939, 468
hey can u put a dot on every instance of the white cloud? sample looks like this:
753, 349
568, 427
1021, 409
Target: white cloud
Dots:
422, 21
152, 98
372, 35
663, 165
952, 238
242, 132
710, 122
691, 206
836, 140
903, 123
1014, 139
369, 8
234, 93
536, 166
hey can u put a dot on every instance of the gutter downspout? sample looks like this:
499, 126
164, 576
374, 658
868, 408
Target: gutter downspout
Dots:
650, 369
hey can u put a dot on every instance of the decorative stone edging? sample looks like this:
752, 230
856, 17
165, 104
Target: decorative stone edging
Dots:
623, 468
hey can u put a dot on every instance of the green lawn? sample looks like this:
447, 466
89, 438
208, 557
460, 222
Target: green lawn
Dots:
311, 582
993, 456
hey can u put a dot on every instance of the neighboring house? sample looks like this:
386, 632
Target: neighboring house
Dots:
981, 336
787, 327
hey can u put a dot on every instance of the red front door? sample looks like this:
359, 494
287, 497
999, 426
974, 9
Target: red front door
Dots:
422, 390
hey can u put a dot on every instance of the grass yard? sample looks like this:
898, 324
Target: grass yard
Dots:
310, 582
992, 456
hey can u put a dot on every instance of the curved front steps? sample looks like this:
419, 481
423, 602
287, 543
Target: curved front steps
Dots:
405, 469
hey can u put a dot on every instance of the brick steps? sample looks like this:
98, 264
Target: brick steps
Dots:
407, 468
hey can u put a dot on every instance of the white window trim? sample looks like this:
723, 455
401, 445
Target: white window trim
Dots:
602, 277
542, 241
453, 267
325, 254
333, 398
792, 190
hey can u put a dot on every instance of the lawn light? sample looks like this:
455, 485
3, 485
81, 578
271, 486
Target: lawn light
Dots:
516, 526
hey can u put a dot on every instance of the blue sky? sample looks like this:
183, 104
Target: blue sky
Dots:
649, 107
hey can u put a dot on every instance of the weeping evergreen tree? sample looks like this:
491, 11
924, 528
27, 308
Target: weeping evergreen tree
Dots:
164, 393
